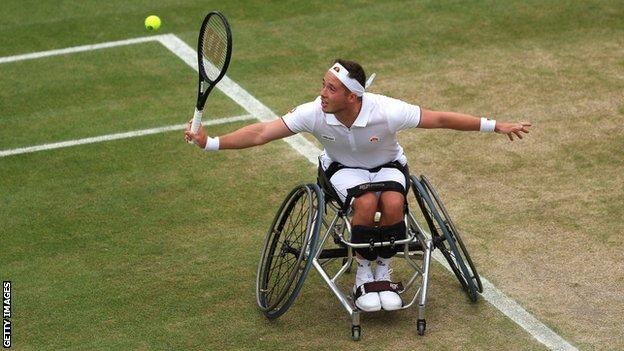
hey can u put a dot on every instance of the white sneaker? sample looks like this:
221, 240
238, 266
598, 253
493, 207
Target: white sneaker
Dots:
390, 301
368, 302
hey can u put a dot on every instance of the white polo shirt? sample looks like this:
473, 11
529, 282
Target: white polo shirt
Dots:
371, 140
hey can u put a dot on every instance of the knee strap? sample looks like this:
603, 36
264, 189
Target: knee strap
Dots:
390, 233
365, 235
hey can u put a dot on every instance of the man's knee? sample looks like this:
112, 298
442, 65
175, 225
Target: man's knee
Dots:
392, 206
366, 204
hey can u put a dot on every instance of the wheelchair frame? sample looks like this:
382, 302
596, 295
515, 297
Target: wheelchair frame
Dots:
275, 292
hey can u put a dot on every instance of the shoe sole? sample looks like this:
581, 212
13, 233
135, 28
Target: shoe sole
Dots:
370, 310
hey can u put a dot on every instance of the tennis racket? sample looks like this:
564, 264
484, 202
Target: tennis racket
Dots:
214, 49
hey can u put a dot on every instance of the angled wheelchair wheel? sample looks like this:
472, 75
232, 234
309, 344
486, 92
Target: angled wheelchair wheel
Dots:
446, 237
454, 233
288, 250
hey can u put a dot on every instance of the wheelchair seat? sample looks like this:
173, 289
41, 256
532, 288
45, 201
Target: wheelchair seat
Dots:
323, 177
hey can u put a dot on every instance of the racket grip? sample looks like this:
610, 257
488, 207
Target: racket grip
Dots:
197, 117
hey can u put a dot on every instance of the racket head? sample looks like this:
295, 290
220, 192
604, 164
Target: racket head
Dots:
214, 47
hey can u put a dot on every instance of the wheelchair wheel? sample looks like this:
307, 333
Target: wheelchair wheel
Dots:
446, 237
288, 248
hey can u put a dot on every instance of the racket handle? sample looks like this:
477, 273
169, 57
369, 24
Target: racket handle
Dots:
197, 117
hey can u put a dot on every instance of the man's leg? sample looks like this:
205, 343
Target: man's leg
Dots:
391, 206
364, 208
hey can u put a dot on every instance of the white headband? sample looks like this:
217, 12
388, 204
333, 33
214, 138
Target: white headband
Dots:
352, 84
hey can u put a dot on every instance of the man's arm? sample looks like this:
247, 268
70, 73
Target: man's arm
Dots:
461, 121
248, 136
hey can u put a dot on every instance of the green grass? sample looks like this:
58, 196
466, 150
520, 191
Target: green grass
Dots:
147, 243
36, 93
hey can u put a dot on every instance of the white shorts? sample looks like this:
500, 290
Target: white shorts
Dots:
347, 178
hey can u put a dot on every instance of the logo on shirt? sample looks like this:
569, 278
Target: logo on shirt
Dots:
328, 137
374, 139
337, 69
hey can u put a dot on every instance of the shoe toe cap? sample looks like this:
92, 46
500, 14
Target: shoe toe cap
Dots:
390, 300
369, 302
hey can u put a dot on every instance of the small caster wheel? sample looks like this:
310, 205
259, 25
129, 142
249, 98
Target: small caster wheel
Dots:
356, 332
421, 326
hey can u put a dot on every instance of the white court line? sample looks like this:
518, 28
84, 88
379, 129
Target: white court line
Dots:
75, 49
258, 110
117, 136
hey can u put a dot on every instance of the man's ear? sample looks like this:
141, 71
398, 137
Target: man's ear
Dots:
352, 97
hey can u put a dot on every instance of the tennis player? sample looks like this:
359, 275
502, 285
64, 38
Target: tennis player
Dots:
358, 131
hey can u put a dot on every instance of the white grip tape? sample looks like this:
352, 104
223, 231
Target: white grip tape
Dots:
197, 117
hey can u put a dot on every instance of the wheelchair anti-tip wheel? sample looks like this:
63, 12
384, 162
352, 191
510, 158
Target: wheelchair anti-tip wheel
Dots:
288, 250
356, 332
446, 237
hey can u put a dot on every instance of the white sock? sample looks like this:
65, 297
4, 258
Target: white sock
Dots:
364, 272
382, 271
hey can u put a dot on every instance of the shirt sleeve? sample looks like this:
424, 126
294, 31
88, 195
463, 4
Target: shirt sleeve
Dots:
401, 115
301, 118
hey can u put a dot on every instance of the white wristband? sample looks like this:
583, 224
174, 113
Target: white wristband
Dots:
212, 144
487, 125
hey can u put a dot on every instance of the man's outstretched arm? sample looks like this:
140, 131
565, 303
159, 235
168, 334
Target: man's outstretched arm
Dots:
248, 136
461, 121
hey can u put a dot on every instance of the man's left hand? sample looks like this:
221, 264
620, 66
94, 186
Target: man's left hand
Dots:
513, 128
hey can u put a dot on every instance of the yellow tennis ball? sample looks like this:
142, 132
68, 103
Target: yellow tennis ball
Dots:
152, 22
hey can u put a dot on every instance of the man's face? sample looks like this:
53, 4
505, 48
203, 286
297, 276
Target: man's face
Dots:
334, 95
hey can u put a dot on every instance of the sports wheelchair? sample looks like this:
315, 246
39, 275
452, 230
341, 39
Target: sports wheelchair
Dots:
312, 228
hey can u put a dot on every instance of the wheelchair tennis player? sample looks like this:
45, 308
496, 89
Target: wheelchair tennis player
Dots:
359, 133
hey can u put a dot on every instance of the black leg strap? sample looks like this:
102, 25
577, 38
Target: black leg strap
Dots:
365, 235
391, 233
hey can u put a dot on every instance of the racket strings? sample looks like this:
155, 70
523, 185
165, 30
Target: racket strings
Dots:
214, 47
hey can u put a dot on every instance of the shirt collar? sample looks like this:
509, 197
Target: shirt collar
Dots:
360, 121
332, 120
362, 118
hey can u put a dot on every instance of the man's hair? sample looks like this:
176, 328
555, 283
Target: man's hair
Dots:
355, 70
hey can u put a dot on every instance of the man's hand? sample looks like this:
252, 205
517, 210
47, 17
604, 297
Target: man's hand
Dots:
512, 128
198, 138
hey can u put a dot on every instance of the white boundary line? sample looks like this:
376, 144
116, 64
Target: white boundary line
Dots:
258, 110
117, 136
75, 49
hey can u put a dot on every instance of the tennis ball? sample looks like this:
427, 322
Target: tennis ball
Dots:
152, 22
